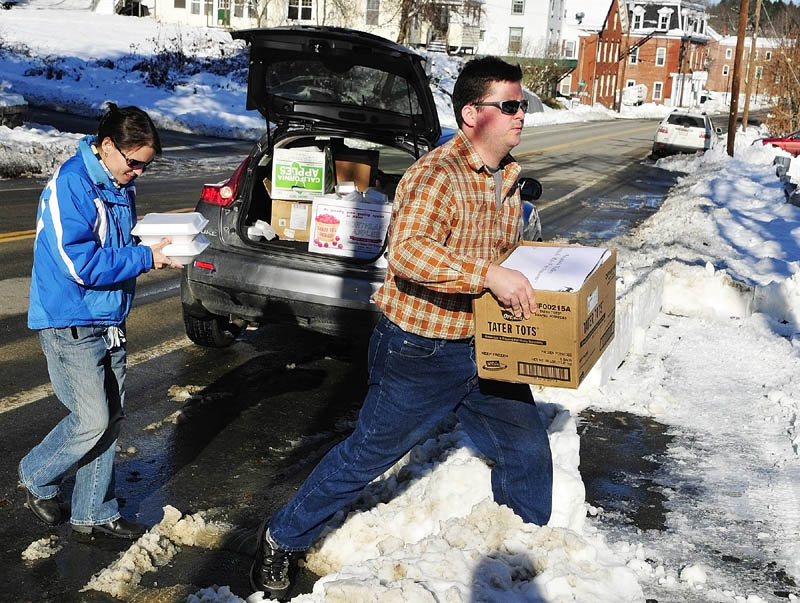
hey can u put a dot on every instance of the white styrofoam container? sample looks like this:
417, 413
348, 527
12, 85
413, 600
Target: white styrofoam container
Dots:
181, 228
184, 252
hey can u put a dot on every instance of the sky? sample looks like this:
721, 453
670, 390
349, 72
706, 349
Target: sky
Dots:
707, 343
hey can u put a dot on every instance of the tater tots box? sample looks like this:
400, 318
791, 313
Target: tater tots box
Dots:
558, 345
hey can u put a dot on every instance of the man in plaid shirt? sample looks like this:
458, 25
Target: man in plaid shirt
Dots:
456, 211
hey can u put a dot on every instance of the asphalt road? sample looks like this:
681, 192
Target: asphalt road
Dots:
264, 409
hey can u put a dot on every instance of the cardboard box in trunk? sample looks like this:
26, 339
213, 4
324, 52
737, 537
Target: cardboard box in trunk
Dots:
355, 165
300, 174
291, 220
559, 344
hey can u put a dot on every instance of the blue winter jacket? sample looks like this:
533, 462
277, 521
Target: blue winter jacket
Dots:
85, 261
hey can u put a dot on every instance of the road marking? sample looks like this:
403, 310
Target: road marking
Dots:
580, 189
580, 141
43, 391
7, 237
16, 236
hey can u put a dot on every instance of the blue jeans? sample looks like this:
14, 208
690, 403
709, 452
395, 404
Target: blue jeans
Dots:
414, 383
89, 380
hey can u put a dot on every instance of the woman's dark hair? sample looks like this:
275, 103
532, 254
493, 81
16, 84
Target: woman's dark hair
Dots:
474, 80
128, 127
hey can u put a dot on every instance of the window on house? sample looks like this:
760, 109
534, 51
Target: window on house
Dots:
759, 72
638, 21
195, 7
514, 40
778, 78
179, 4
483, 35
767, 55
208, 9
565, 88
252, 9
300, 9
633, 57
517, 7
658, 90
568, 49
373, 11
728, 53
238, 8
614, 26
630, 83
725, 69
663, 20
661, 57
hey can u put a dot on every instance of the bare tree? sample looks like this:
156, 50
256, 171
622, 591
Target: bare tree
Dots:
785, 74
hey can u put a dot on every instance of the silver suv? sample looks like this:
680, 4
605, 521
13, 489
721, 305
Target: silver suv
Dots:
358, 98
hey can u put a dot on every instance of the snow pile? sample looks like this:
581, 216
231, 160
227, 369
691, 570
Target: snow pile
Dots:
42, 548
29, 150
718, 365
156, 548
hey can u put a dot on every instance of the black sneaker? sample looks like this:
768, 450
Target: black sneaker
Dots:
273, 567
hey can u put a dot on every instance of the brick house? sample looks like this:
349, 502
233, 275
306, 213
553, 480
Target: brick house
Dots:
594, 79
664, 45
721, 54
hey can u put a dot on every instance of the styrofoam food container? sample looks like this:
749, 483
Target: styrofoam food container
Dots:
181, 228
184, 252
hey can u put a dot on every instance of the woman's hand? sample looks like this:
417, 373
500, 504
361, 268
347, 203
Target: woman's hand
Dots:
513, 290
159, 259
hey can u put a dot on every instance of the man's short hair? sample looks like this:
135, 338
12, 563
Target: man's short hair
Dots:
474, 80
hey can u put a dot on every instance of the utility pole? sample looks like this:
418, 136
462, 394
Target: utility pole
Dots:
751, 66
737, 63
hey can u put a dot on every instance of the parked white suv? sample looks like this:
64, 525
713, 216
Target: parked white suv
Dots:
684, 131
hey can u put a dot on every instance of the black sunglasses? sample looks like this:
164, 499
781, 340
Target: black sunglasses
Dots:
509, 107
134, 164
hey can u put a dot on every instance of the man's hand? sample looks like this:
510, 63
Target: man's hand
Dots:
159, 259
512, 289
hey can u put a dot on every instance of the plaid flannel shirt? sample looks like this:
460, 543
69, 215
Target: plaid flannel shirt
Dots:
445, 232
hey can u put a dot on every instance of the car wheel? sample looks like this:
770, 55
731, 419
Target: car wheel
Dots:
211, 332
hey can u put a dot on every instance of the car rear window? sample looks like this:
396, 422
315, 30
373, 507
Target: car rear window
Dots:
329, 81
688, 121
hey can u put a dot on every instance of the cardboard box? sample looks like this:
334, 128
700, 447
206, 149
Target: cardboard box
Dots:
301, 174
291, 220
559, 344
347, 226
354, 165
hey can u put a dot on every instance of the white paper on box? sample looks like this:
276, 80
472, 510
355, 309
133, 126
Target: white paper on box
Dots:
556, 268
298, 217
348, 227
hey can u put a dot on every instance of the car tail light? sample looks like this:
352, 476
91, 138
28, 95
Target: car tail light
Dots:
205, 265
224, 193
663, 130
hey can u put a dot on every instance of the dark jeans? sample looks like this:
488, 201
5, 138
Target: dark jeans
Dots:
415, 382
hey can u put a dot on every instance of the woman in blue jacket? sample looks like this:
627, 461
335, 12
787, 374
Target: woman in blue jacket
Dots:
85, 264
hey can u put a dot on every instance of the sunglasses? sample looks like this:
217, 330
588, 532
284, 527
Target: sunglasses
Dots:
509, 107
134, 164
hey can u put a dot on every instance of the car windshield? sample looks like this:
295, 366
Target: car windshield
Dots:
689, 121
327, 81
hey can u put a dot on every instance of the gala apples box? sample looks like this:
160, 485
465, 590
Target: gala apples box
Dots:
558, 345
348, 227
